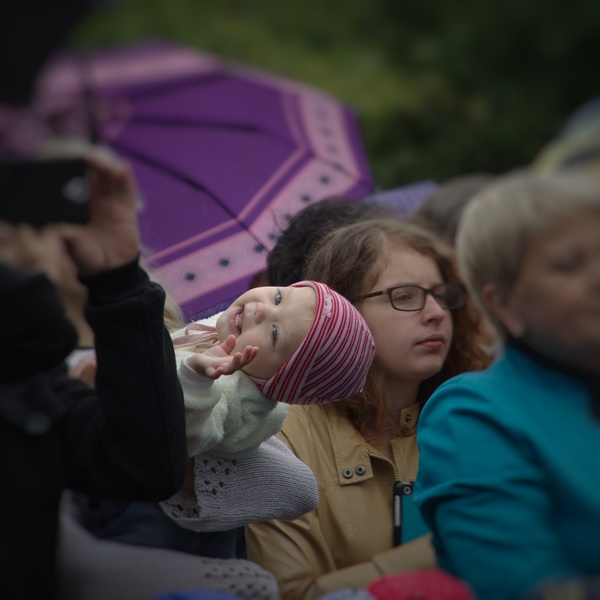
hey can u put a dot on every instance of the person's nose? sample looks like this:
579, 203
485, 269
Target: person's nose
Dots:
432, 311
260, 312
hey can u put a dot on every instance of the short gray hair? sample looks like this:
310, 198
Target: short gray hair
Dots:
501, 219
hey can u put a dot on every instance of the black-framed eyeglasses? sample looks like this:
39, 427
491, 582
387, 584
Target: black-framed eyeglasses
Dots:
449, 296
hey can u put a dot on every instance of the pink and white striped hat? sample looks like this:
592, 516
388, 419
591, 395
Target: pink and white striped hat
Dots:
333, 360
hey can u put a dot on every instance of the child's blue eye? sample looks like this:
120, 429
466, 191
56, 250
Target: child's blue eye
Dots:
277, 298
274, 333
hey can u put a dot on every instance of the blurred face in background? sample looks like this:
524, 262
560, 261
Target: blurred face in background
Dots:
555, 304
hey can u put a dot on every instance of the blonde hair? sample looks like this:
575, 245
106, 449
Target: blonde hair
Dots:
173, 318
501, 220
172, 315
348, 260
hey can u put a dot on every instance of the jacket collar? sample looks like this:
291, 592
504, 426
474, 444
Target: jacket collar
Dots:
351, 451
591, 380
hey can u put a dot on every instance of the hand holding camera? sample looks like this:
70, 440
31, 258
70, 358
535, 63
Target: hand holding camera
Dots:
111, 237
103, 203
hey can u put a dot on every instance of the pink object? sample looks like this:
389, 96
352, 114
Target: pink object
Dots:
433, 584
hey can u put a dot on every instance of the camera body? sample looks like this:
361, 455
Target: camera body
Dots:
42, 192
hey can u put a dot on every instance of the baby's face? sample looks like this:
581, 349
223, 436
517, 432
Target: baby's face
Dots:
276, 320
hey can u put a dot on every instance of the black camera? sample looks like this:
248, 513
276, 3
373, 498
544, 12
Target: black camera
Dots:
41, 192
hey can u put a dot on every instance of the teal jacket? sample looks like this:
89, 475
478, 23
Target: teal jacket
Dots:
509, 476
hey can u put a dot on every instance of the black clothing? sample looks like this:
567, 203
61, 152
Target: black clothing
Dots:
125, 440
146, 524
35, 332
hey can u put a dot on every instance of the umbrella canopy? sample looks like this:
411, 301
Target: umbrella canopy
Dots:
223, 155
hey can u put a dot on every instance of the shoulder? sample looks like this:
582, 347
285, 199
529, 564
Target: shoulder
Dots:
470, 391
305, 430
300, 422
483, 423
512, 390
465, 413
320, 419
303, 417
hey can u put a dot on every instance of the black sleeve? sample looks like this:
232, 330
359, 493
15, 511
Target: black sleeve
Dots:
35, 335
126, 439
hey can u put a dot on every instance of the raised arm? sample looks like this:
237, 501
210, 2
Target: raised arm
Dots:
126, 439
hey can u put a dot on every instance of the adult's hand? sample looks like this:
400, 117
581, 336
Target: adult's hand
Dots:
35, 250
110, 238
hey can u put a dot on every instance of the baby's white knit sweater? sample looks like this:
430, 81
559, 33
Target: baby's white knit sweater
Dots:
241, 473
227, 417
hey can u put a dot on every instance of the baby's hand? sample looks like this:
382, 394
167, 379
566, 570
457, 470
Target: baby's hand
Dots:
216, 361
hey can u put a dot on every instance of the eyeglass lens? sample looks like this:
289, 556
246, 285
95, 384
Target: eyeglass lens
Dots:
447, 295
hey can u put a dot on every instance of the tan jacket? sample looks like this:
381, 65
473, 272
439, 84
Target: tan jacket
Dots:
347, 540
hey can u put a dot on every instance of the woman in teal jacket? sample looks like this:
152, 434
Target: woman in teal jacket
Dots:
509, 477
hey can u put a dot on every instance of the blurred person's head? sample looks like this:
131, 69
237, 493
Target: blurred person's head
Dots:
529, 249
442, 210
422, 339
286, 262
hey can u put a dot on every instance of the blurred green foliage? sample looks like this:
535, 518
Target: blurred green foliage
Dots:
441, 88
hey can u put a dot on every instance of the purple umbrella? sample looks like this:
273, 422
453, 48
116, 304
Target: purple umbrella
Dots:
224, 156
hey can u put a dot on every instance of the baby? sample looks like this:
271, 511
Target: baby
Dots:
302, 344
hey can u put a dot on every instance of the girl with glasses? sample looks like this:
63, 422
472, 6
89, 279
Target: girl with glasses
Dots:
405, 284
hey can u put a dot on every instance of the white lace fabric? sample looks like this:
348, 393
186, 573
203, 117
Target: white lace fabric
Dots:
271, 483
241, 577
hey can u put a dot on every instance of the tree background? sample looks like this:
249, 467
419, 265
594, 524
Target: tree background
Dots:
440, 88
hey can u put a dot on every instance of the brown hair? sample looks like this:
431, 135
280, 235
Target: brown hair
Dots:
347, 260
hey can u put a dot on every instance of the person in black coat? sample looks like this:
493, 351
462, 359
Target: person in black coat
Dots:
124, 440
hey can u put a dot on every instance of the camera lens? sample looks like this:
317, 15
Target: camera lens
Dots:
77, 190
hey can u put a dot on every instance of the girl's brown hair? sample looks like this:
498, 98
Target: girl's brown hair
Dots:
348, 260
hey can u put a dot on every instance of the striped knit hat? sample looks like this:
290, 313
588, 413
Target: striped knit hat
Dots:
333, 360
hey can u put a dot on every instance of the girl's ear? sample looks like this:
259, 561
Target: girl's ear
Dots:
502, 304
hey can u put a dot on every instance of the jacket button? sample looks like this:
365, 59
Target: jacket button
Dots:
347, 473
407, 417
361, 470
404, 430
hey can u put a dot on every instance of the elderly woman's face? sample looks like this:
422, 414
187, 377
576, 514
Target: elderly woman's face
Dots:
556, 300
